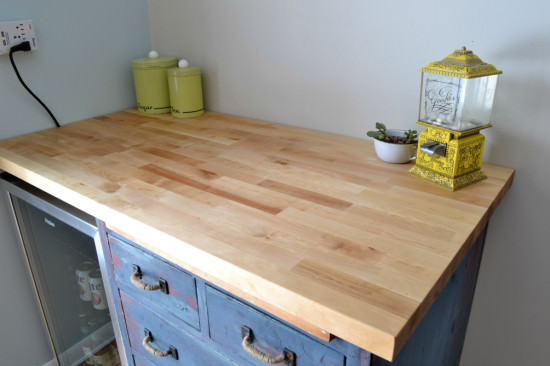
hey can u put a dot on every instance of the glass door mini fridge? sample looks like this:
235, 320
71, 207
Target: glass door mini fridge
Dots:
61, 245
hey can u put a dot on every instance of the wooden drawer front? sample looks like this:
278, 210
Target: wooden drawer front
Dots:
181, 299
227, 317
189, 350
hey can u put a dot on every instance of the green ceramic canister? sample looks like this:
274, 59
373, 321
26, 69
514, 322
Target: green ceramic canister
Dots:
185, 87
151, 83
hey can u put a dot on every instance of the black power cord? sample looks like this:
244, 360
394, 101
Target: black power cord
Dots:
25, 47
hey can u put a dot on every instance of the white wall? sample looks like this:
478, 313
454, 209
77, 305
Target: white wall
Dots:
81, 69
82, 66
339, 66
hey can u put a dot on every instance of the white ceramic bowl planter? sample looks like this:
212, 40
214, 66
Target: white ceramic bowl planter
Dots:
390, 151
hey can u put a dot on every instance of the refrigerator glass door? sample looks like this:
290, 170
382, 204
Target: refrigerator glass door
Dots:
60, 248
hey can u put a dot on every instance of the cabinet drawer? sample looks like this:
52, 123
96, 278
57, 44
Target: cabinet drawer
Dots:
227, 317
138, 361
185, 350
177, 293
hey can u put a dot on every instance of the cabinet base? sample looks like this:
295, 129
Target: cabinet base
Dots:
452, 184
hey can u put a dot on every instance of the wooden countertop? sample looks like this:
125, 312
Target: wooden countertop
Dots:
311, 226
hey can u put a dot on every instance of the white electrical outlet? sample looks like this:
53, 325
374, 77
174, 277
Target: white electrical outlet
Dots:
14, 32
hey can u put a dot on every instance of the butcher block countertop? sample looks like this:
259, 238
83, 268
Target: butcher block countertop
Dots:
307, 225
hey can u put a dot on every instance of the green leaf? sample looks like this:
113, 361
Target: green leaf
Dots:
380, 126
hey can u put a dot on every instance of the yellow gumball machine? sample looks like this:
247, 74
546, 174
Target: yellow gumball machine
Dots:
456, 101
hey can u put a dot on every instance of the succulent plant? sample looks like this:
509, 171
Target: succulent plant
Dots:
409, 136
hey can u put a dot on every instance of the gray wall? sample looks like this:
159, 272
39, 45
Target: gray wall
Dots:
81, 69
340, 66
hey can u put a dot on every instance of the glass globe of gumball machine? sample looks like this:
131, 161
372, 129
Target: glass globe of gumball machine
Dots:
456, 102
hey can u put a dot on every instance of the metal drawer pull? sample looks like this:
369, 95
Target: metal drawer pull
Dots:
154, 351
287, 356
137, 281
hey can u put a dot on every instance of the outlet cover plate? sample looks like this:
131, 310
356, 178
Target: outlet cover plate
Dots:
14, 32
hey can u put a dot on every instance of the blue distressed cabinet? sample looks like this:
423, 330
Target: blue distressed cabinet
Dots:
172, 317
169, 316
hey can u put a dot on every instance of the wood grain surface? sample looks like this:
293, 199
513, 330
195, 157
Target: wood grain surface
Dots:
313, 224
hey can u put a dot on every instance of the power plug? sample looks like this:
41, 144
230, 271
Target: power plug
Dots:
15, 32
